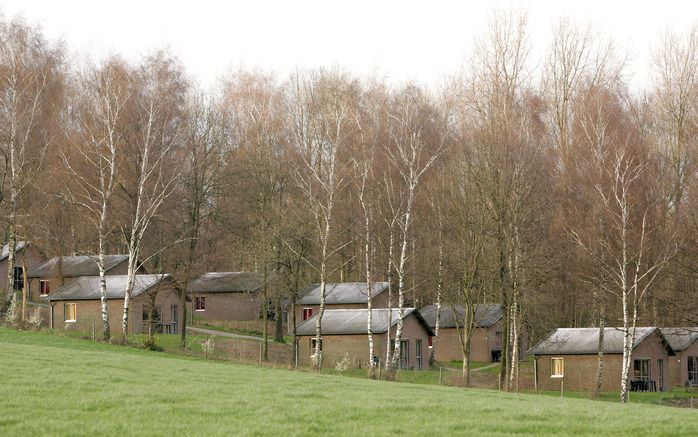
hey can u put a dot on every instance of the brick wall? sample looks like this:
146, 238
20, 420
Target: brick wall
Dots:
31, 259
335, 346
482, 343
228, 306
90, 311
380, 301
679, 366
580, 370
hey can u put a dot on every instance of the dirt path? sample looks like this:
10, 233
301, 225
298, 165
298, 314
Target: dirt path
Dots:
489, 366
222, 333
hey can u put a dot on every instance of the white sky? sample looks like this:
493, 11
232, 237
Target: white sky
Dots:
400, 40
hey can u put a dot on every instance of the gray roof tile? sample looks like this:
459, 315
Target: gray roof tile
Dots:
582, 341
352, 321
223, 282
341, 293
87, 287
74, 266
5, 251
486, 315
680, 338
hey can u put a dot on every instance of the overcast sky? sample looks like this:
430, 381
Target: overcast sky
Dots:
399, 40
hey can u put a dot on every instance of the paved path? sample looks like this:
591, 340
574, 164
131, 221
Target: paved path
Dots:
489, 366
222, 333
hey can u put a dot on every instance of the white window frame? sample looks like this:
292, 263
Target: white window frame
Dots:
196, 298
552, 367
41, 290
312, 311
312, 346
66, 312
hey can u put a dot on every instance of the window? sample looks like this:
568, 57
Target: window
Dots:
200, 303
498, 338
418, 353
313, 342
557, 367
431, 341
692, 371
404, 354
146, 313
70, 312
44, 287
307, 313
641, 370
18, 278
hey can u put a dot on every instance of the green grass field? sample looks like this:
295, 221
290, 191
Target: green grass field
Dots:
53, 385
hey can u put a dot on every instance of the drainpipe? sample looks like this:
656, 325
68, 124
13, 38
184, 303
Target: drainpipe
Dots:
535, 373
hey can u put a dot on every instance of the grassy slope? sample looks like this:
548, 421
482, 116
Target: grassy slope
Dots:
65, 386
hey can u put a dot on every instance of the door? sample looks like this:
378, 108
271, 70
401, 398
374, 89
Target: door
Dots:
692, 364
174, 317
418, 353
404, 354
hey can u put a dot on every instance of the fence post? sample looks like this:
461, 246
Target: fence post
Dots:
440, 374
94, 329
260, 354
562, 388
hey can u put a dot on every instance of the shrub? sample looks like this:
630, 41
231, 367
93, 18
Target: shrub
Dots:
35, 319
12, 314
344, 363
208, 346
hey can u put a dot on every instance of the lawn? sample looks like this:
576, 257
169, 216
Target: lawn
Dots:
54, 385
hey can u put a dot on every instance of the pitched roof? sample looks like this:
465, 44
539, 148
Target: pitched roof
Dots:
222, 282
582, 341
74, 266
680, 338
341, 293
354, 321
5, 251
486, 315
87, 287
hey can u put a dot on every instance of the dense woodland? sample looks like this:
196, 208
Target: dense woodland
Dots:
545, 185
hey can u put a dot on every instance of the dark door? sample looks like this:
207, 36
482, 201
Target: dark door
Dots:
174, 318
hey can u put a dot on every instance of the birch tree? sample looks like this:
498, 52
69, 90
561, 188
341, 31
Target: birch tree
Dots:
629, 254
155, 132
323, 109
30, 93
92, 158
414, 146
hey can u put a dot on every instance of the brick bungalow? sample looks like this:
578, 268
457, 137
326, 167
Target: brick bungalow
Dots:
61, 270
569, 356
683, 367
226, 296
25, 255
340, 295
486, 342
344, 331
76, 305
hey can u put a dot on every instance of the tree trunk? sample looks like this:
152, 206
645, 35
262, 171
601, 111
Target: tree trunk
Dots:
130, 280
265, 317
278, 322
599, 366
439, 289
388, 354
106, 332
11, 250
